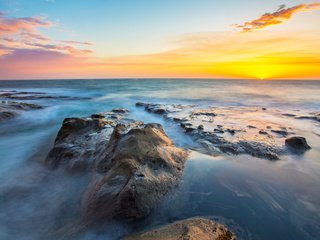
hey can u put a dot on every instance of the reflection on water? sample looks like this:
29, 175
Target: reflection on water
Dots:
257, 198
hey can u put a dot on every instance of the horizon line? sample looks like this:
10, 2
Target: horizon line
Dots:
163, 78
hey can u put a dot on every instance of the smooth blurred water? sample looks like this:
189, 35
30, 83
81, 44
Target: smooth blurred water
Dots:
258, 198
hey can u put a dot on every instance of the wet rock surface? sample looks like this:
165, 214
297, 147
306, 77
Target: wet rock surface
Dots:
193, 229
10, 109
133, 164
232, 130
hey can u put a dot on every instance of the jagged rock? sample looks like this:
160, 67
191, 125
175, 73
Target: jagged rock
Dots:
140, 166
81, 140
191, 229
133, 164
297, 143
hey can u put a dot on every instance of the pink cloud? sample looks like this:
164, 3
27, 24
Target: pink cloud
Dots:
23, 33
15, 25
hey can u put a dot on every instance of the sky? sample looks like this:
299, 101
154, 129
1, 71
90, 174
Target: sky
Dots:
242, 39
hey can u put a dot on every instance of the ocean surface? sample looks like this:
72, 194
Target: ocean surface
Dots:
257, 198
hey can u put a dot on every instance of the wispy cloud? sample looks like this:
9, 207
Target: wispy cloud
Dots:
77, 42
18, 34
281, 15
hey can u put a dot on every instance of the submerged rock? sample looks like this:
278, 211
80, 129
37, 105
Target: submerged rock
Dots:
191, 229
140, 166
9, 109
297, 143
35, 96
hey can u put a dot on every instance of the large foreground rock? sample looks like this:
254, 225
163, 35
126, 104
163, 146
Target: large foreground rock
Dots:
141, 165
191, 229
133, 165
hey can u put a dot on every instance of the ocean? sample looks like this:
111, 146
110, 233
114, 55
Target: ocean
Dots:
256, 198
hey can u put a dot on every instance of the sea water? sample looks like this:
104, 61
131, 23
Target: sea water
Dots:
256, 198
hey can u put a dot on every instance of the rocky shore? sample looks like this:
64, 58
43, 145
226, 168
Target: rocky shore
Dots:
225, 130
133, 165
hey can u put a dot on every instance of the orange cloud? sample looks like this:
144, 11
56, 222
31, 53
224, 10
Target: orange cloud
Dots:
277, 17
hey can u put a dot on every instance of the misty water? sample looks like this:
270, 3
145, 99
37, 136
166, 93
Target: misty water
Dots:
256, 198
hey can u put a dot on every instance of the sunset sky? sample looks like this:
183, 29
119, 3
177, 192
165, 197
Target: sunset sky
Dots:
53, 39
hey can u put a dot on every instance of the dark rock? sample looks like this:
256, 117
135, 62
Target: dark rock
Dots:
288, 115
283, 133
9, 109
264, 109
204, 112
140, 104
250, 126
297, 143
200, 127
263, 132
192, 229
120, 110
98, 115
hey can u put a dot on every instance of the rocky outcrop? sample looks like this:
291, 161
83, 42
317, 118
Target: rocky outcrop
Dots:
297, 144
205, 126
133, 165
191, 229
141, 165
9, 109
80, 141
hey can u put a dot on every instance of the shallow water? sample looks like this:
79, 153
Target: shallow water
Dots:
256, 198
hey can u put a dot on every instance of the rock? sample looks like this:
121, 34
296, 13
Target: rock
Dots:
264, 109
218, 141
200, 127
191, 229
263, 132
81, 140
139, 167
283, 133
98, 115
204, 112
35, 95
133, 165
120, 110
9, 109
297, 143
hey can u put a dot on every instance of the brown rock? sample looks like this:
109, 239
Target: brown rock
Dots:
191, 229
